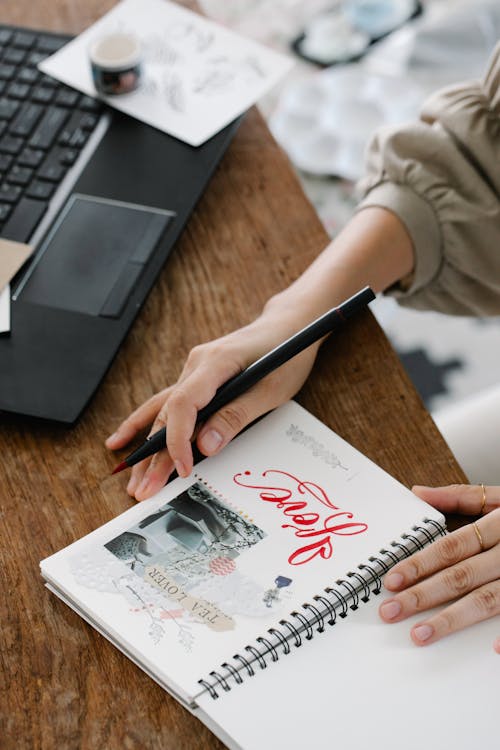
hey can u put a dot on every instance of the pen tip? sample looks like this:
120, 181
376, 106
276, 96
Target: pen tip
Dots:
120, 467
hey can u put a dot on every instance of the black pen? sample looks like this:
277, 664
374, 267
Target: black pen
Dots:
244, 380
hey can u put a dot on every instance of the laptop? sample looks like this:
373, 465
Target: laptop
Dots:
85, 187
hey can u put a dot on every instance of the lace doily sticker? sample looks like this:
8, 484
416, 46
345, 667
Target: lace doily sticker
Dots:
97, 569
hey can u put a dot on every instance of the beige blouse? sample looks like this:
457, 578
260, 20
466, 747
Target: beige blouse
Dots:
441, 176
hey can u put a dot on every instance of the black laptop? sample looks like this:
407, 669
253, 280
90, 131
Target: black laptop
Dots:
103, 198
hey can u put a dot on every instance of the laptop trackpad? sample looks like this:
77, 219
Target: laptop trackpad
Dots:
93, 256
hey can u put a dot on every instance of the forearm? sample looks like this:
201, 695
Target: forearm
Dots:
373, 250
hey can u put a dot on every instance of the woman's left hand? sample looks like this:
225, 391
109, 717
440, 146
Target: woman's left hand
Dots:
462, 568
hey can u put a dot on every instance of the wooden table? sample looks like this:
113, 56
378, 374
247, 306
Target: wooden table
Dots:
62, 685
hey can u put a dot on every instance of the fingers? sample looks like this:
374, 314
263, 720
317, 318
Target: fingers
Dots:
273, 390
137, 421
146, 477
467, 499
179, 404
149, 476
481, 604
445, 552
216, 433
181, 412
464, 566
453, 582
147, 480
230, 421
136, 476
207, 367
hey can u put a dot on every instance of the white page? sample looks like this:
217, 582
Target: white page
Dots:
5, 309
362, 684
283, 451
198, 76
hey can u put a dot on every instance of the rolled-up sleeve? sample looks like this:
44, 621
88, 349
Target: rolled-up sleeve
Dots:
441, 177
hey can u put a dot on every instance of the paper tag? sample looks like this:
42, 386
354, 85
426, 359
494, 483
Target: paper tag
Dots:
12, 256
5, 310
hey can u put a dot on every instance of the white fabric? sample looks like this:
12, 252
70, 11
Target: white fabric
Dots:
472, 430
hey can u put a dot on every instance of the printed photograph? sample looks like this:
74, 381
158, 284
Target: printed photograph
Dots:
193, 537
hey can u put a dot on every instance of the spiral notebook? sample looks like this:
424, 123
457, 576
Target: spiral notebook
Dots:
254, 579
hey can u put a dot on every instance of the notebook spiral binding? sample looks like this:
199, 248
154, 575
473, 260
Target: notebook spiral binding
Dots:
334, 601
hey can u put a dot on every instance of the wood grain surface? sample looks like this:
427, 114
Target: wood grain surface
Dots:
62, 685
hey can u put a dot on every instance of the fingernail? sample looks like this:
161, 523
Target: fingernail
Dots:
210, 441
180, 468
393, 580
423, 632
132, 485
112, 437
390, 610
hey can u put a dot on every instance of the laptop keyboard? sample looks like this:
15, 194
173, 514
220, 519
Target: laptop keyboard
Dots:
43, 127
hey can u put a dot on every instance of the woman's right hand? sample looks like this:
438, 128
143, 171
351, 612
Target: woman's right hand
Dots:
374, 249
207, 367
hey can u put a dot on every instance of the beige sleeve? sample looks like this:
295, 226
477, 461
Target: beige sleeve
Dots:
441, 177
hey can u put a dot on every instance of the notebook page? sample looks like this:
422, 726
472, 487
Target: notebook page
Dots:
363, 684
284, 511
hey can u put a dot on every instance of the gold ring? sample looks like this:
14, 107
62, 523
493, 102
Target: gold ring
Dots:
479, 537
481, 509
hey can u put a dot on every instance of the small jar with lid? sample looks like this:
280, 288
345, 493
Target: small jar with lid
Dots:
116, 63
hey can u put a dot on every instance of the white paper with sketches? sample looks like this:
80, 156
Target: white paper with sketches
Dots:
197, 76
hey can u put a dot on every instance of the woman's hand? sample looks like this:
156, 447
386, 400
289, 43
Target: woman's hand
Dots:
374, 250
207, 367
462, 568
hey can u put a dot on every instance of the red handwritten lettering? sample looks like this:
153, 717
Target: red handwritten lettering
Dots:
306, 524
342, 529
322, 548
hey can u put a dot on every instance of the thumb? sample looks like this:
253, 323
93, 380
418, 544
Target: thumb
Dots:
271, 391
223, 426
